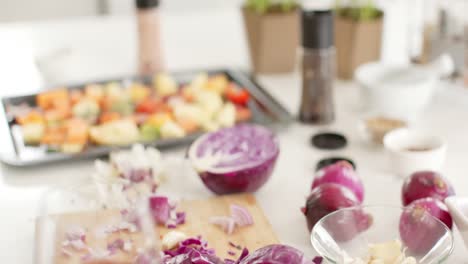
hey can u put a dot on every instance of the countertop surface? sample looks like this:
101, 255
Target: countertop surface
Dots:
93, 48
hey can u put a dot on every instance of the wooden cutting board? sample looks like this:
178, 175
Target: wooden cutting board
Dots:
198, 214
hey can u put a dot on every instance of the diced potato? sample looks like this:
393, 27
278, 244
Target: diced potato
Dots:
94, 91
226, 117
172, 130
209, 101
87, 109
210, 126
32, 132
199, 82
121, 132
138, 92
71, 148
191, 112
164, 84
114, 90
217, 83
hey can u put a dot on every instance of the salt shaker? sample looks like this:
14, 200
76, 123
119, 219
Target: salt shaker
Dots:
318, 67
149, 37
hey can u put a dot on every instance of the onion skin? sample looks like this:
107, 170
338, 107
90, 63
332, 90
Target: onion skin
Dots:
247, 180
341, 173
425, 184
418, 232
325, 199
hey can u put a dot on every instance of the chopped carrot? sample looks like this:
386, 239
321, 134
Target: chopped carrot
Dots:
109, 117
50, 99
94, 91
57, 114
75, 96
159, 119
187, 94
243, 114
30, 118
188, 125
53, 136
77, 131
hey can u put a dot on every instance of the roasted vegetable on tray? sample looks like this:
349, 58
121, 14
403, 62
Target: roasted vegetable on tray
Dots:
122, 113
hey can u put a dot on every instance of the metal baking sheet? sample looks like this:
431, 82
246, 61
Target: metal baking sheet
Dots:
265, 110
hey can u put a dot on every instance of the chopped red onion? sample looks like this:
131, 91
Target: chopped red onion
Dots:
225, 222
240, 216
160, 209
180, 218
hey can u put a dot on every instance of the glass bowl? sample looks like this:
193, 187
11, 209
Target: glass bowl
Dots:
86, 223
350, 231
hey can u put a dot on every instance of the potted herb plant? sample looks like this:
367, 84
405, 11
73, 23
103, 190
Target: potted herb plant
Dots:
358, 35
272, 28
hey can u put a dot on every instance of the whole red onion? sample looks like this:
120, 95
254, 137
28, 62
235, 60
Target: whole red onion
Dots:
341, 173
418, 231
325, 199
425, 184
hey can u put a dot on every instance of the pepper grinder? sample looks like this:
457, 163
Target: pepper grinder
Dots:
149, 39
318, 67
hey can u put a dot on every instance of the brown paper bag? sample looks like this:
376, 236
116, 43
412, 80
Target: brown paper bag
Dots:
273, 40
356, 43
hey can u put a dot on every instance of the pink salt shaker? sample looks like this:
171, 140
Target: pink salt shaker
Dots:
150, 55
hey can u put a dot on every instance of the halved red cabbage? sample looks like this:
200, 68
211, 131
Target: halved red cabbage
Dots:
276, 254
236, 159
342, 173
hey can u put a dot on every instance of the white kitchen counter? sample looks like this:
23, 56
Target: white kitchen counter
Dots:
103, 47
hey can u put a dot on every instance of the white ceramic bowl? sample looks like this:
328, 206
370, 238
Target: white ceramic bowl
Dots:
397, 91
410, 151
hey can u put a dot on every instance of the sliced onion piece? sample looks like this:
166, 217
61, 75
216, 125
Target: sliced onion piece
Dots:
241, 215
225, 222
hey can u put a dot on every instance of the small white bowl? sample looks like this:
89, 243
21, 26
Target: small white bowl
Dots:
400, 91
411, 151
394, 90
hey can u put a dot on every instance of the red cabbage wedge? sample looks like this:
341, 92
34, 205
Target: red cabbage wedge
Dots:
236, 159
